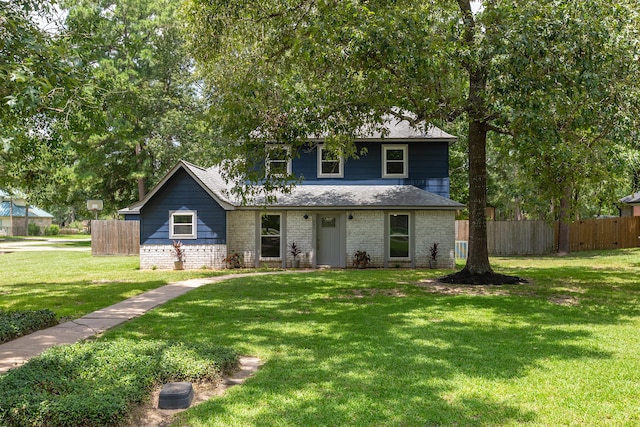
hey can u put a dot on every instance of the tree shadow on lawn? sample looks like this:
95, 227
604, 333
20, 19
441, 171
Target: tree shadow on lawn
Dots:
607, 292
335, 359
73, 299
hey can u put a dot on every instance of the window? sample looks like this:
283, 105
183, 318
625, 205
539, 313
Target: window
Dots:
182, 225
394, 161
398, 236
278, 162
329, 222
270, 236
329, 165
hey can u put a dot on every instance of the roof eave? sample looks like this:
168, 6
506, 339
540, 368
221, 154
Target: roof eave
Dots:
348, 208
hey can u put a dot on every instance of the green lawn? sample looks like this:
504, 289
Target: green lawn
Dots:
388, 348
74, 283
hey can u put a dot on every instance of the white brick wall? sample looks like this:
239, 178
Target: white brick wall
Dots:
300, 231
435, 226
366, 231
195, 256
241, 235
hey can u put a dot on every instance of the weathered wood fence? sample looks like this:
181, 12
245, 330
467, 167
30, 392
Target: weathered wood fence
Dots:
115, 237
539, 237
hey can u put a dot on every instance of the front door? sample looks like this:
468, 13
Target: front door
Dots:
329, 240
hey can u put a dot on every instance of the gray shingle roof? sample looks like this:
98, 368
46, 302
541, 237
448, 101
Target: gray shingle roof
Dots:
360, 197
312, 196
395, 129
631, 199
401, 129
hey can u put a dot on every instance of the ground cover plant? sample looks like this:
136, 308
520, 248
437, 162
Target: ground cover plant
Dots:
97, 383
14, 324
397, 348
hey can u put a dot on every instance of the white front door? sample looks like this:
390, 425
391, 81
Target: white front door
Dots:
329, 238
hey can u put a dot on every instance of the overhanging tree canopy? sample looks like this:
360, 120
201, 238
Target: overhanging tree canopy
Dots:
295, 68
142, 110
37, 87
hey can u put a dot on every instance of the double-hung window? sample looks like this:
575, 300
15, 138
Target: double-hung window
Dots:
183, 225
270, 236
399, 235
395, 161
278, 161
329, 164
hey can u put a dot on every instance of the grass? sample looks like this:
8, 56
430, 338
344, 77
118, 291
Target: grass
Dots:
72, 284
392, 348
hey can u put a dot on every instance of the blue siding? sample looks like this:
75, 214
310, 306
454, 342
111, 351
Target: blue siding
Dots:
182, 192
428, 167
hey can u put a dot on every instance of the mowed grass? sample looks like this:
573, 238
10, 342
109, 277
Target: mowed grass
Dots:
72, 284
384, 348
394, 348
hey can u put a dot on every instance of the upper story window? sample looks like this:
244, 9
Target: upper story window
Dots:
278, 162
329, 165
183, 225
270, 236
395, 161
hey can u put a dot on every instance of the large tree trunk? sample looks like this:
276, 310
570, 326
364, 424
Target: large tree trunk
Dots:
477, 270
564, 218
26, 218
478, 256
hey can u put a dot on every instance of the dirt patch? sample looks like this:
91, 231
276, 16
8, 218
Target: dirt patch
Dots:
149, 415
371, 292
564, 300
436, 287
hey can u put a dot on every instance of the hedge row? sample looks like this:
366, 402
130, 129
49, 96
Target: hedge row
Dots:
14, 324
98, 383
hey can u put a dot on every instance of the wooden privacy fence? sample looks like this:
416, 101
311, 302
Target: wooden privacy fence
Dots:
115, 237
539, 237
609, 233
520, 237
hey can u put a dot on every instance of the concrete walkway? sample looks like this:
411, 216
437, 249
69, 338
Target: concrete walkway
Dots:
33, 244
19, 351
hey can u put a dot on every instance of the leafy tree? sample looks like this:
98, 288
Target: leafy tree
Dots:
143, 110
282, 70
37, 88
572, 95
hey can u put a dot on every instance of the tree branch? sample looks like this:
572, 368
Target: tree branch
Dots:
500, 130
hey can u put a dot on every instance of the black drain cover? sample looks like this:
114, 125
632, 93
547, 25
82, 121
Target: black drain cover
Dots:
175, 396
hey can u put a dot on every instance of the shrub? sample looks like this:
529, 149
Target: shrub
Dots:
33, 230
98, 383
52, 230
14, 324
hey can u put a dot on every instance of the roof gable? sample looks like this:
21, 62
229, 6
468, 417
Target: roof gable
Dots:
212, 183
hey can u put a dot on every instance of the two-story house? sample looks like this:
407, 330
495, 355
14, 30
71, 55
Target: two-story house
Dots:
392, 202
